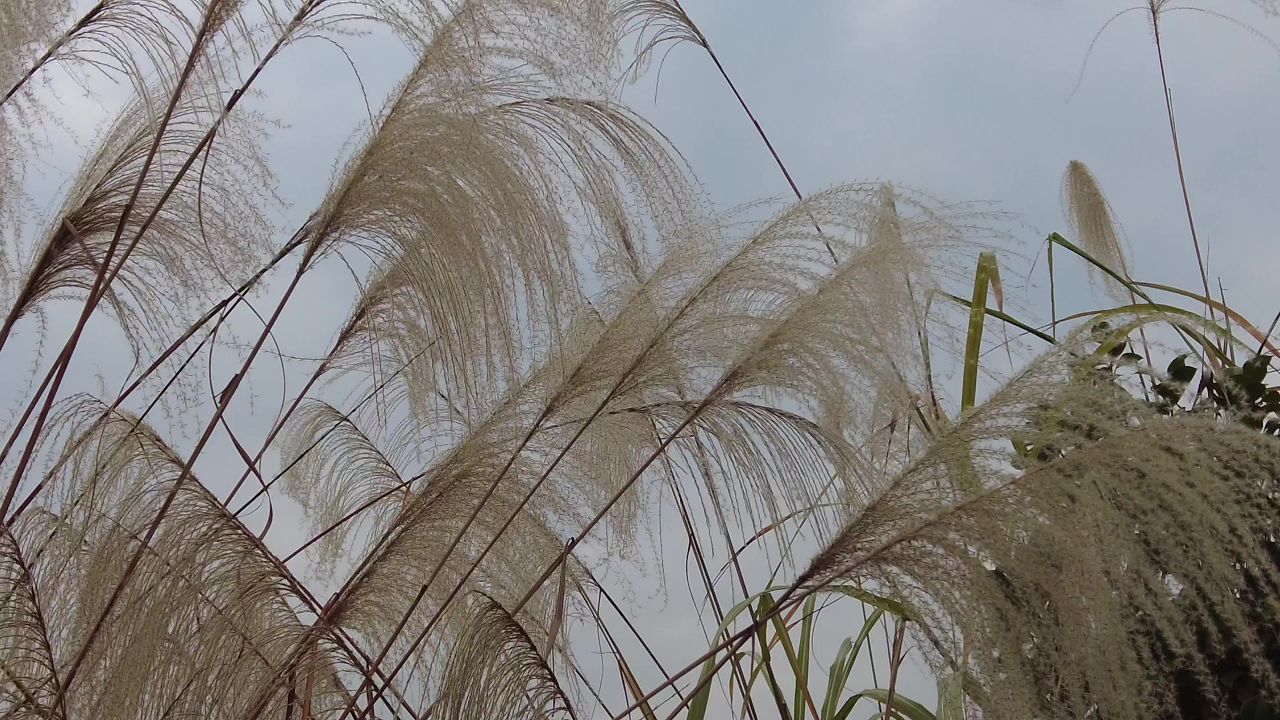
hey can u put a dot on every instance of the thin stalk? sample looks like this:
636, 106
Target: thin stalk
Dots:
1226, 321
587, 684
31, 496
770, 675
895, 662
627, 621
730, 646
340, 637
1177, 150
711, 397
718, 612
704, 467
608, 636
26, 415
777, 159
871, 655
335, 603
1053, 295
193, 584
1262, 346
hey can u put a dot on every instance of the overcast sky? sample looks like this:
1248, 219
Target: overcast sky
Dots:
964, 99
969, 101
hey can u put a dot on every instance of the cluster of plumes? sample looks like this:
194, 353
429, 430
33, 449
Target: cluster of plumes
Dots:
752, 353
497, 171
1077, 576
733, 363
765, 369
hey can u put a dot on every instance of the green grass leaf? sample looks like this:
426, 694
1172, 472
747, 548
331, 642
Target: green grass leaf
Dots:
985, 277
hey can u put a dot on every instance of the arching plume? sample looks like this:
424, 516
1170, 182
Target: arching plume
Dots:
207, 615
512, 179
495, 670
656, 23
209, 228
345, 472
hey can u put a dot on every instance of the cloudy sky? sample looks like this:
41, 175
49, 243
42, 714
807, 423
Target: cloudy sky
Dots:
973, 101
968, 100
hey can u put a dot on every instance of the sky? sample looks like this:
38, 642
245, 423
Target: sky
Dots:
980, 100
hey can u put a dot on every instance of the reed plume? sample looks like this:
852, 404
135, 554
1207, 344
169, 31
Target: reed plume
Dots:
178, 263
496, 670
1090, 217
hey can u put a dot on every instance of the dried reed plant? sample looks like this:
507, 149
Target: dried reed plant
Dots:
551, 338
